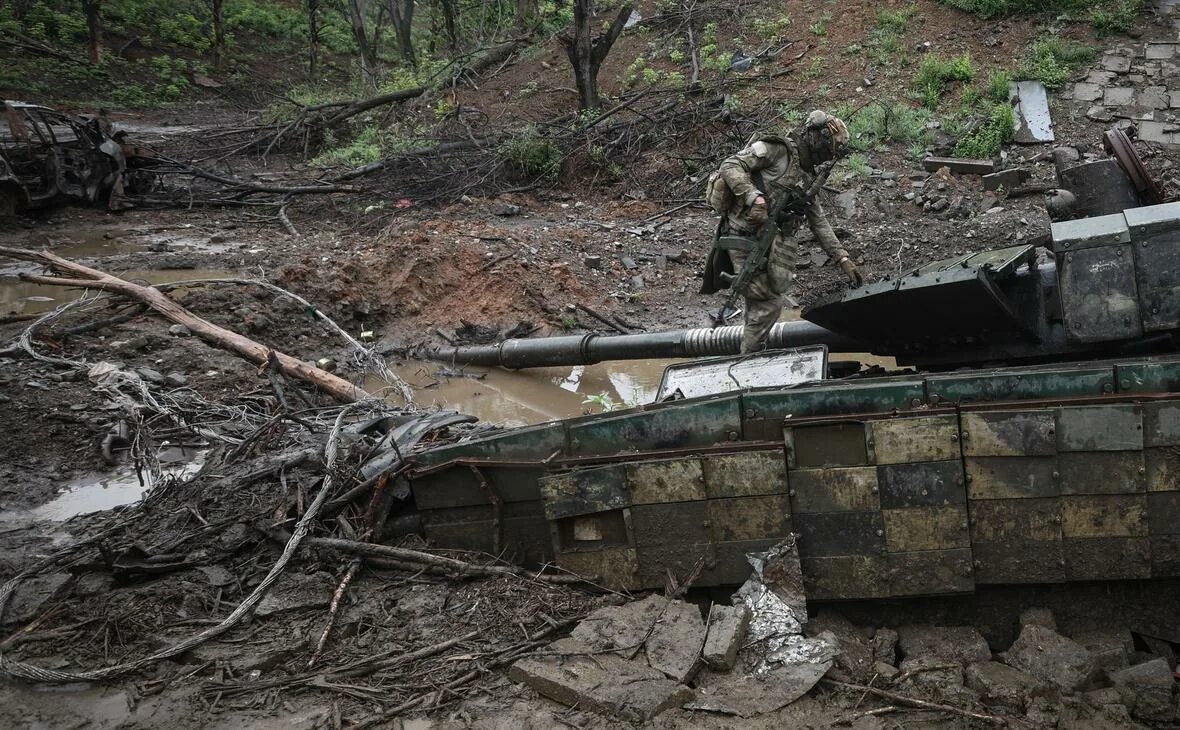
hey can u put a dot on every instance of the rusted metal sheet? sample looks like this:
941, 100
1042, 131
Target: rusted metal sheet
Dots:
669, 524
672, 425
931, 572
1016, 384
750, 518
1105, 515
840, 533
593, 532
1163, 468
1107, 558
906, 440
1165, 556
655, 562
1019, 561
672, 480
1161, 423
584, 491
921, 485
839, 444
926, 528
617, 568
1009, 433
1163, 513
1016, 520
1011, 477
1099, 428
847, 489
846, 576
1102, 472
745, 475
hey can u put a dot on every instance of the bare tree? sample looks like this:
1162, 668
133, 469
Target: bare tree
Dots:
586, 53
357, 9
217, 10
313, 38
402, 14
449, 26
93, 11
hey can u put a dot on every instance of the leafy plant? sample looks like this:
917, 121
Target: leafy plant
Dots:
880, 123
603, 400
534, 155
987, 139
858, 165
936, 72
1117, 18
774, 29
820, 26
997, 85
1052, 60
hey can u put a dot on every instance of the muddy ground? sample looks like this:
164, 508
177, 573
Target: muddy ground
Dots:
413, 275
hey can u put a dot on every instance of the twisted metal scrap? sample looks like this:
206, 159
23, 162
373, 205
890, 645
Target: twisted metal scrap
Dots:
21, 670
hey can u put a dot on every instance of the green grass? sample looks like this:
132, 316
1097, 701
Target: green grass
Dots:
533, 155
997, 85
937, 72
987, 139
1052, 61
1105, 18
879, 124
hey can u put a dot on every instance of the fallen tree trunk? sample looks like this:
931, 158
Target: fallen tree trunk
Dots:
89, 278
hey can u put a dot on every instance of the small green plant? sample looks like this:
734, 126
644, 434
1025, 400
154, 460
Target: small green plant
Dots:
771, 30
1052, 60
896, 20
569, 322
881, 123
1117, 18
858, 164
534, 155
816, 68
997, 86
936, 72
364, 148
820, 27
987, 139
603, 400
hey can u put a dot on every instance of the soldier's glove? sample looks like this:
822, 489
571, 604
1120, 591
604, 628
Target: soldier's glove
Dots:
855, 278
758, 214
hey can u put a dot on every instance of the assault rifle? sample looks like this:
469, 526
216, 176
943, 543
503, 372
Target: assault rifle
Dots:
792, 202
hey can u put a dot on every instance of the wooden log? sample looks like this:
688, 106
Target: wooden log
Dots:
86, 277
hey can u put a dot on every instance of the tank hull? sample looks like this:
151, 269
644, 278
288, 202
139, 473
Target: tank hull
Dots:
896, 486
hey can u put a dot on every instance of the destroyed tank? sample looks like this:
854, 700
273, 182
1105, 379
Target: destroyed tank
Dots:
1033, 436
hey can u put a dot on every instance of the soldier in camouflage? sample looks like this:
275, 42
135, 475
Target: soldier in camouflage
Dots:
745, 188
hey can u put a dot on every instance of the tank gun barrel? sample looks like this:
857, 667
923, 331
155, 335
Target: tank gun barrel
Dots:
593, 348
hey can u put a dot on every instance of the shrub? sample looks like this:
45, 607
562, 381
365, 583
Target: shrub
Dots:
935, 72
879, 123
997, 86
987, 139
1118, 18
533, 155
1051, 61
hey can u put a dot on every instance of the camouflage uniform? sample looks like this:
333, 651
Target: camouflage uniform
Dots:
770, 166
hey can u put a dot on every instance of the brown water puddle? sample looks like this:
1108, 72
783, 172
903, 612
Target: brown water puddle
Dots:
23, 297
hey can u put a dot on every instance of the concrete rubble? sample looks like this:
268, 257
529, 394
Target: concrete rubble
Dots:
726, 632
1051, 658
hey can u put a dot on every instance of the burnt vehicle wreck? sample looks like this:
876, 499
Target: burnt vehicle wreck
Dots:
1033, 436
49, 158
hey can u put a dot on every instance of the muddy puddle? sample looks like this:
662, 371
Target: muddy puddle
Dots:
96, 493
23, 297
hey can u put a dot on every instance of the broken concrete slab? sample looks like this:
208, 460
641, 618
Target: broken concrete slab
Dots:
31, 595
1146, 689
855, 653
959, 165
674, 645
1159, 51
1174, 99
1109, 646
621, 629
1051, 657
1160, 132
943, 644
758, 694
1116, 63
1038, 617
724, 635
1100, 77
885, 646
1033, 122
602, 683
1007, 179
1118, 95
1000, 684
294, 592
1083, 91
1153, 97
